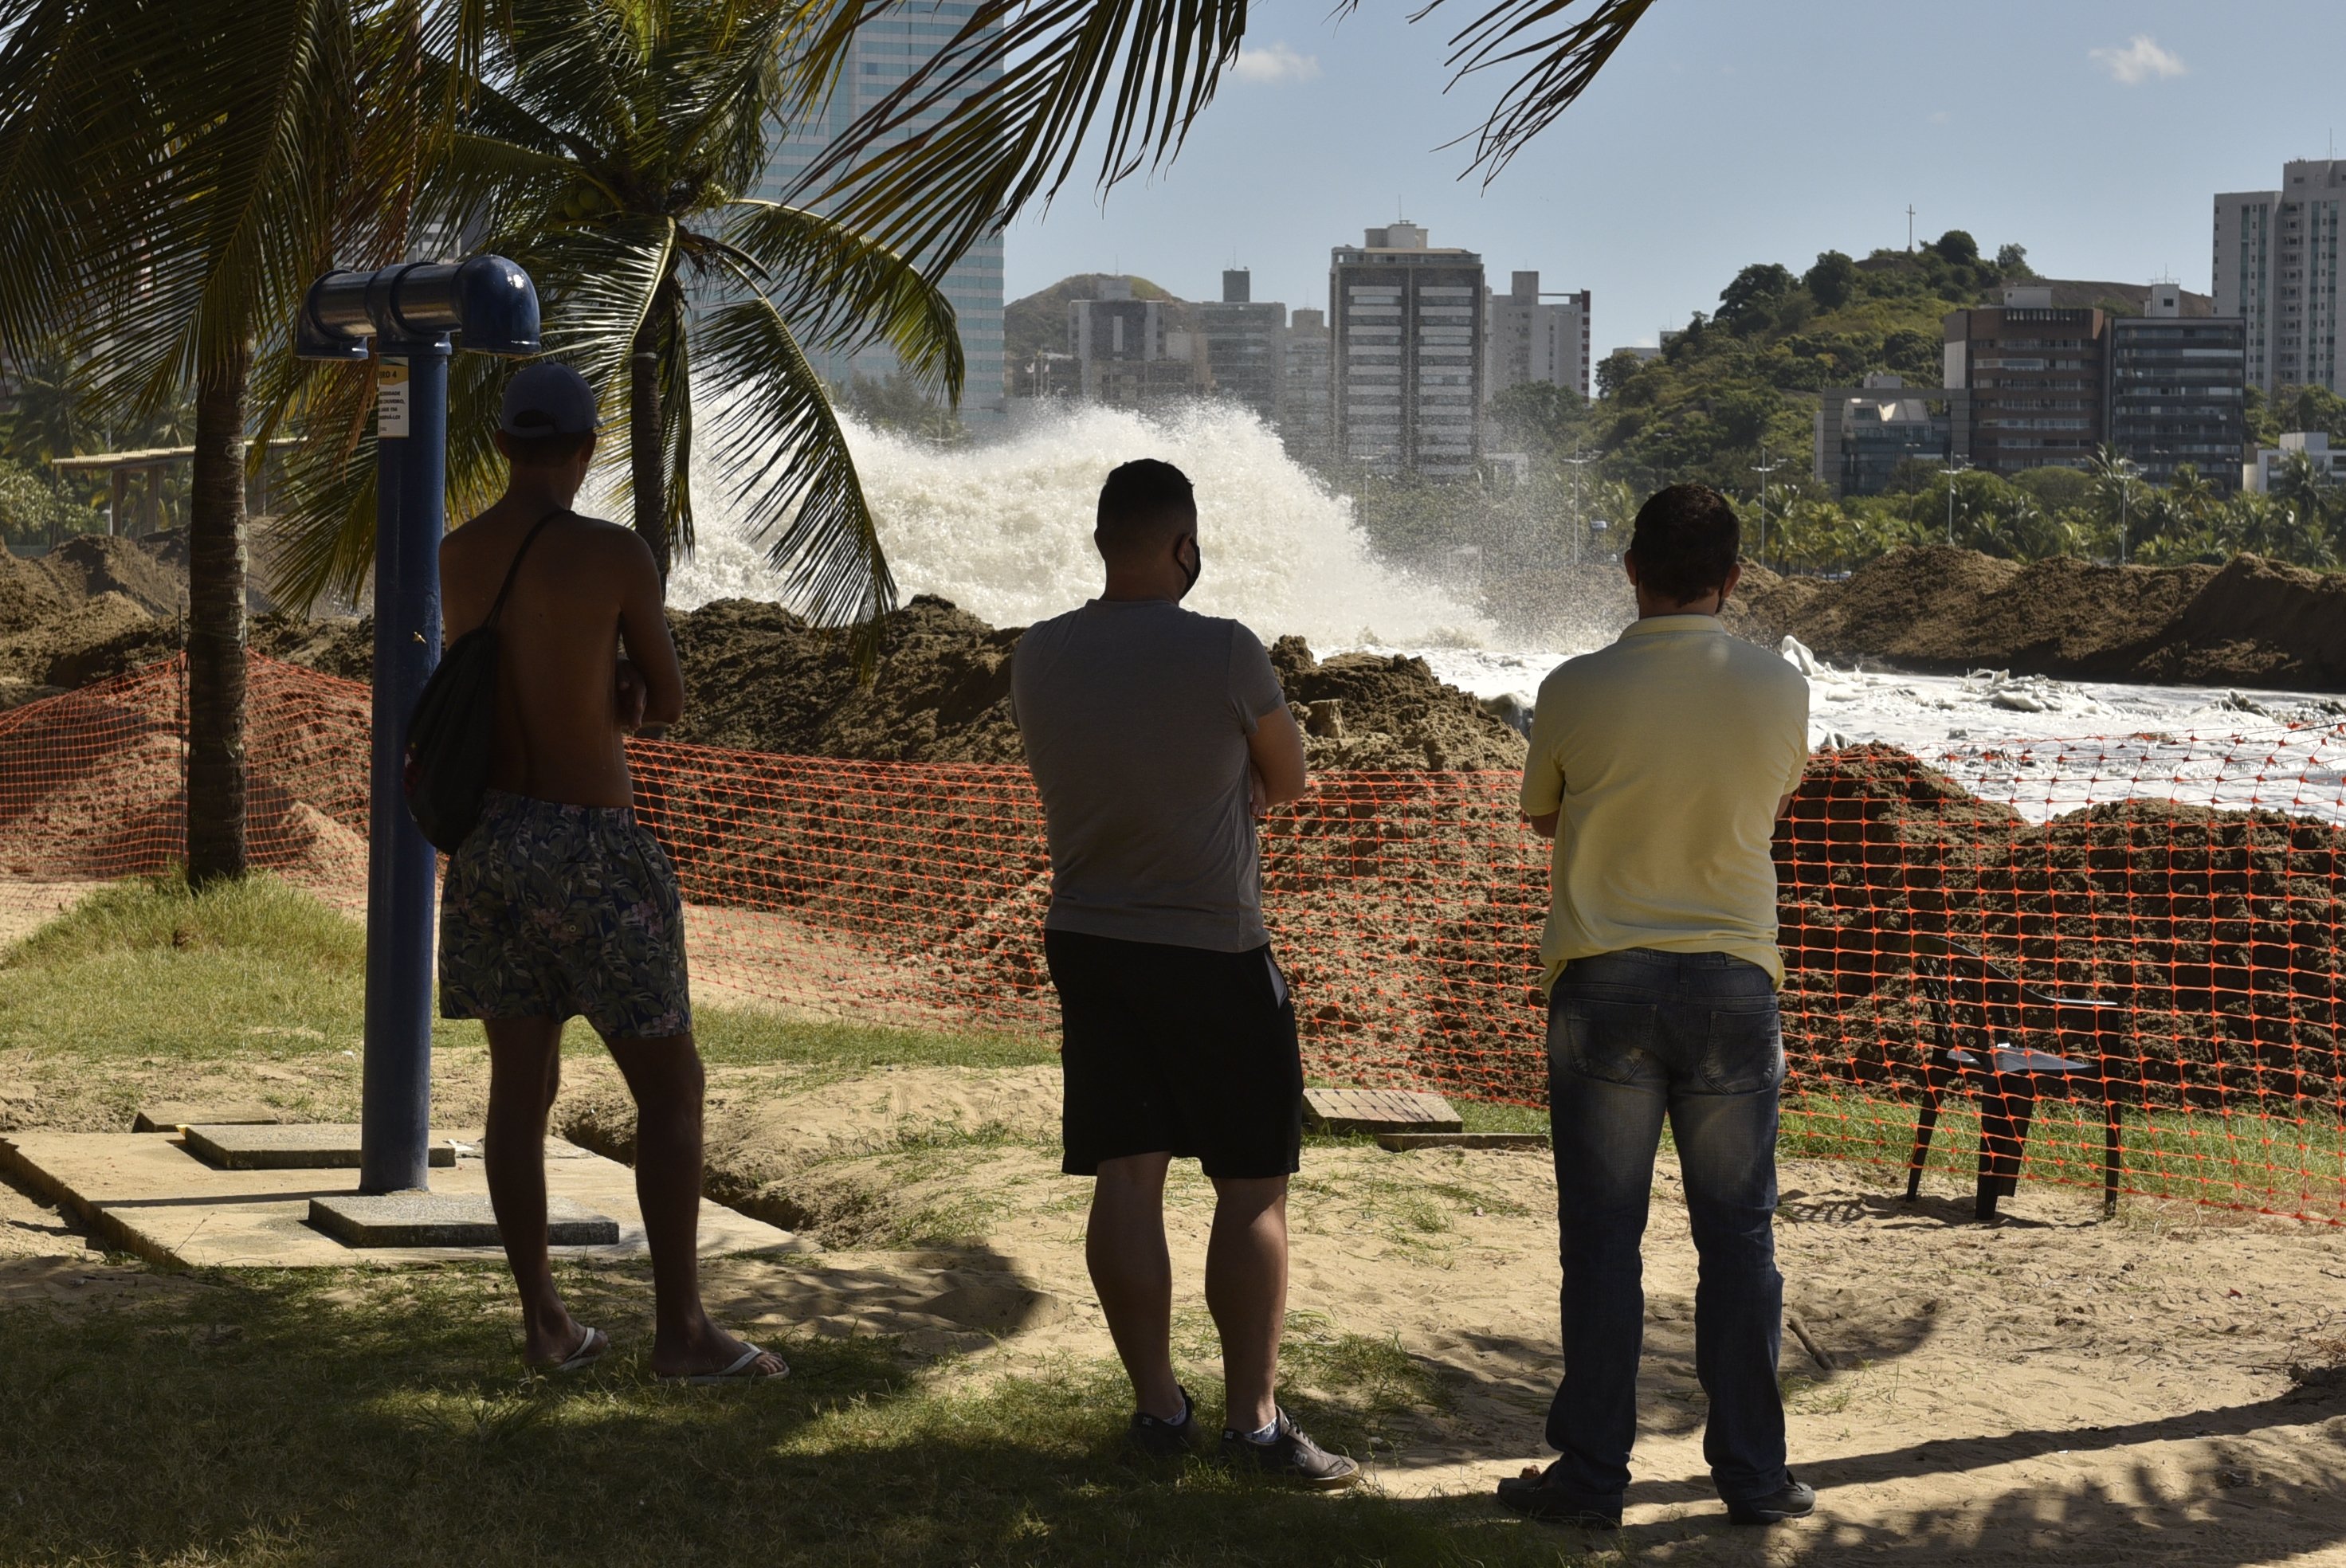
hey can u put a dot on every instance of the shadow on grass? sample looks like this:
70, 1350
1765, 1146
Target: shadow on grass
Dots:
283, 1418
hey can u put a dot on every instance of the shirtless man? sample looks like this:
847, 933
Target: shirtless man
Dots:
560, 903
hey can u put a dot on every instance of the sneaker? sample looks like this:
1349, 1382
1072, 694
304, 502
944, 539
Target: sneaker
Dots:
1161, 1439
1543, 1497
1794, 1500
1291, 1456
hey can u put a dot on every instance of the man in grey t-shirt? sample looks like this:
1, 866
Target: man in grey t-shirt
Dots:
1154, 737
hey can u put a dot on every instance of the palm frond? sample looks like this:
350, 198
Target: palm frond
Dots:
787, 458
841, 291
1560, 55
999, 117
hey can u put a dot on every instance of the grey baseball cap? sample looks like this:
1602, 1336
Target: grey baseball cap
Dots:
547, 399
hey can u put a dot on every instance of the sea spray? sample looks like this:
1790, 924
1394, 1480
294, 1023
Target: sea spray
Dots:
1004, 530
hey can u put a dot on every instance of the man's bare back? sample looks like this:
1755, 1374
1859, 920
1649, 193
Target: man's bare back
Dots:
586, 589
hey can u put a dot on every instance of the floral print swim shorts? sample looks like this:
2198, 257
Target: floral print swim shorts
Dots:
558, 911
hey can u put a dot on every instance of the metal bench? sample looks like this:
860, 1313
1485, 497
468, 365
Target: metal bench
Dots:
1975, 1008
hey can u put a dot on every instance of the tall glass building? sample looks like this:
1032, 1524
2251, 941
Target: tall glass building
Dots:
887, 50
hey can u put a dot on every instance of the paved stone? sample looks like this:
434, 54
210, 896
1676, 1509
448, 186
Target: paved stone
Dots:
138, 1193
1377, 1111
309, 1147
444, 1220
1402, 1141
172, 1116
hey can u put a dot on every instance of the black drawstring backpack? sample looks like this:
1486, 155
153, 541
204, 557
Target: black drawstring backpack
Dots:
452, 735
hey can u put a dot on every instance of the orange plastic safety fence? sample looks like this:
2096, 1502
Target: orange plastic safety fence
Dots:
2111, 963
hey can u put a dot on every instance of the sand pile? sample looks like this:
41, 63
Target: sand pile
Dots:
758, 678
1941, 611
92, 607
2217, 932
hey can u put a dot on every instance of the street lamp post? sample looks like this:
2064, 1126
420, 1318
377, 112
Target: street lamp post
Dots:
490, 306
1763, 468
1952, 467
1579, 516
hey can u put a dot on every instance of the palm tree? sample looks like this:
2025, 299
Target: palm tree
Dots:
2116, 493
2305, 491
609, 146
172, 174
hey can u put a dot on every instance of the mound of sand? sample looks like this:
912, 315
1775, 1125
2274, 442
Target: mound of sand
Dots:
758, 679
1937, 610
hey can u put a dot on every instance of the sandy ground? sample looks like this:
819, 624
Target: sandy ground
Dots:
2056, 1388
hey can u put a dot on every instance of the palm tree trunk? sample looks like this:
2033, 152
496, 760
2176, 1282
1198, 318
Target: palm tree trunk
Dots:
644, 447
215, 564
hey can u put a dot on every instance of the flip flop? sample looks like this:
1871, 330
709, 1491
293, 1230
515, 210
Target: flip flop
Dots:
591, 1346
739, 1372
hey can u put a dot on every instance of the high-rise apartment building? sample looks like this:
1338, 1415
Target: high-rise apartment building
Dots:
888, 49
2177, 391
2032, 376
1126, 353
1407, 361
2276, 268
1306, 420
1525, 339
1244, 342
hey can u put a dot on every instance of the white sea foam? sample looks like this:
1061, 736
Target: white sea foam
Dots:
1004, 530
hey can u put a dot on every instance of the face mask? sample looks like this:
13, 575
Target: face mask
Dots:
1189, 573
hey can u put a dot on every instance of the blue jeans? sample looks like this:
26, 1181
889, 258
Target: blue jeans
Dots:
1631, 1037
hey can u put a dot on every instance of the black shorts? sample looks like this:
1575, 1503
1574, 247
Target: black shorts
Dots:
1176, 1050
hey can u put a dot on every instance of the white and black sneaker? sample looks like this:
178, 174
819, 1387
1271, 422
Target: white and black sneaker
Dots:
1160, 1438
1289, 1456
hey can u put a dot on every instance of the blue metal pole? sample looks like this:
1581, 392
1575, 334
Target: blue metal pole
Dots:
410, 516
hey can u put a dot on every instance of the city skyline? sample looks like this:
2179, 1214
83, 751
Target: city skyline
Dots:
1697, 151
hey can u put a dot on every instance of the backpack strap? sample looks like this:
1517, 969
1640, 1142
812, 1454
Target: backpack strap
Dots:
514, 571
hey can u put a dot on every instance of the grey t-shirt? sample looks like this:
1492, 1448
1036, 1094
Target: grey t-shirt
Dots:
1136, 717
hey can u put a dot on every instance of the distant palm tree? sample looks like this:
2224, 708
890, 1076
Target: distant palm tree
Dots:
610, 146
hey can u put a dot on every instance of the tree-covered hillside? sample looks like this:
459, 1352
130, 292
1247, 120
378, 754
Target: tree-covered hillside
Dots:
1741, 381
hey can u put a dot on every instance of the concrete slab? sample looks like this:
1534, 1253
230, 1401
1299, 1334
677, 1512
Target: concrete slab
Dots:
1400, 1142
171, 1117
146, 1194
310, 1146
444, 1219
1377, 1111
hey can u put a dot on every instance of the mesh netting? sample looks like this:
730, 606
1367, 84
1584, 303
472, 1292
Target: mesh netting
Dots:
2131, 945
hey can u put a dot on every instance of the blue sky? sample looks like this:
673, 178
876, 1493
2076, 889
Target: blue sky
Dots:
1728, 131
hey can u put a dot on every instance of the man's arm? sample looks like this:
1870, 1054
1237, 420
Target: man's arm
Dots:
1275, 754
643, 632
1545, 823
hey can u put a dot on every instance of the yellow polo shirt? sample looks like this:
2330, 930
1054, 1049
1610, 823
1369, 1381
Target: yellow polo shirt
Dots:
1667, 753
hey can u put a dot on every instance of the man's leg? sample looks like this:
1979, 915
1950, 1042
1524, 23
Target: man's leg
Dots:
1607, 1097
1124, 1244
664, 1077
1727, 1151
1246, 1288
524, 1070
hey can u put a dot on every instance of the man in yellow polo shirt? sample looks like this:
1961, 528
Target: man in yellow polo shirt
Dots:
1659, 766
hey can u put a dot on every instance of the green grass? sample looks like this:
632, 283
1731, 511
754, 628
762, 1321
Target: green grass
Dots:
149, 967
268, 1420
